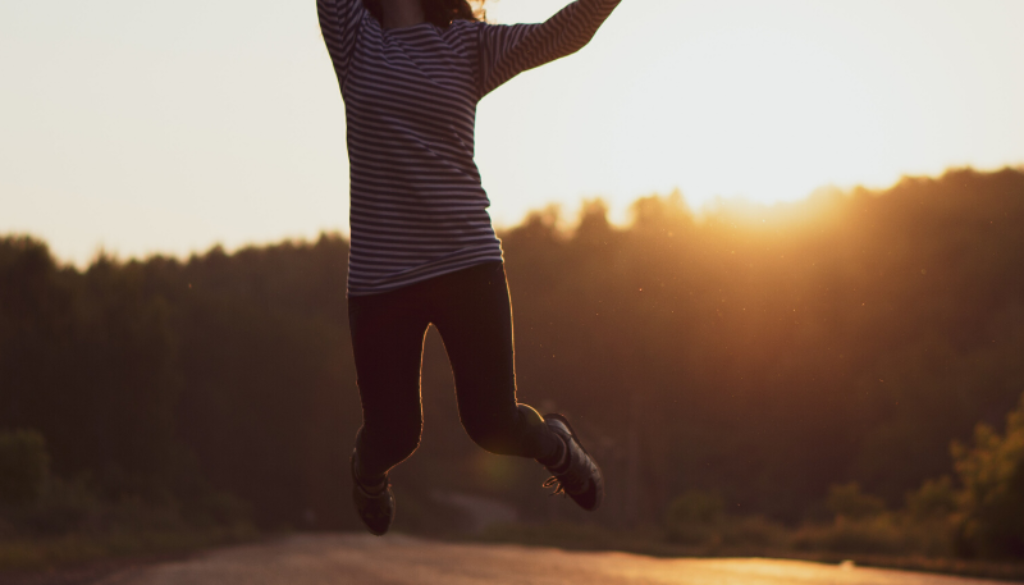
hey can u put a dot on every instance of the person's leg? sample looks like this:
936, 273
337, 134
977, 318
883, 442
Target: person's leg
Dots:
387, 341
472, 311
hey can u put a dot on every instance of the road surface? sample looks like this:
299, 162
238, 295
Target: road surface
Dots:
343, 559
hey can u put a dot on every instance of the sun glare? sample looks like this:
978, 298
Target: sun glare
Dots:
740, 101
193, 133
753, 114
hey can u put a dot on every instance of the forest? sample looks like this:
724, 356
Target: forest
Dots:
766, 359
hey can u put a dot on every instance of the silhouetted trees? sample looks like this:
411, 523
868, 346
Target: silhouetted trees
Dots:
992, 500
760, 355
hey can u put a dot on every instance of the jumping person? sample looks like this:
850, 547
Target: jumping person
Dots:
423, 249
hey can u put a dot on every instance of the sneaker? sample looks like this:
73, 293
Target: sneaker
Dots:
580, 478
376, 508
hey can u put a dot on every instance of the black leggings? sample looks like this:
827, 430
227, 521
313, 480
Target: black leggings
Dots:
471, 310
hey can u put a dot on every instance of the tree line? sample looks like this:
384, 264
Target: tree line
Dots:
764, 355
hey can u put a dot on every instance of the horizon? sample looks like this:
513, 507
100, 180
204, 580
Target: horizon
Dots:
787, 213
142, 129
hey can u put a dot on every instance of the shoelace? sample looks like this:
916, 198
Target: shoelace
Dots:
555, 483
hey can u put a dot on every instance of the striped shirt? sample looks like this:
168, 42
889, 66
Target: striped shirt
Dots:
418, 209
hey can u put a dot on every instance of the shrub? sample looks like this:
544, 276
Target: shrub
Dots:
754, 531
848, 501
693, 518
992, 473
696, 507
24, 466
61, 508
876, 535
935, 499
933, 537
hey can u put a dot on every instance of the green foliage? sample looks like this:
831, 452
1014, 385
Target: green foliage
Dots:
879, 534
753, 531
24, 466
992, 473
848, 501
935, 499
694, 517
696, 507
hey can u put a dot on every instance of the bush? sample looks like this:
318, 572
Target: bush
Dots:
847, 501
693, 518
993, 477
861, 524
696, 507
60, 508
24, 466
877, 535
930, 537
884, 534
698, 518
753, 531
935, 499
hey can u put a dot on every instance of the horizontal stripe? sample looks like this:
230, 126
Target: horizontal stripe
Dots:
418, 209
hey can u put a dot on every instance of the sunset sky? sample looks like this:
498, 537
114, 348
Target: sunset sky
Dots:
142, 127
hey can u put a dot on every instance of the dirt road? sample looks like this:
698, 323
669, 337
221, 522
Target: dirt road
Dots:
344, 559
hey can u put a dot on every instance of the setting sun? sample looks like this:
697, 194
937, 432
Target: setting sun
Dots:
765, 102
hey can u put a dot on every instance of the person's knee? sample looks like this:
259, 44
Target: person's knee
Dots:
529, 415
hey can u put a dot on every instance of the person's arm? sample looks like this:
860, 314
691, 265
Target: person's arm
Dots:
339, 23
507, 50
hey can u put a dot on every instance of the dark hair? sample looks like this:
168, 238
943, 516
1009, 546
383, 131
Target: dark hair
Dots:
440, 13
